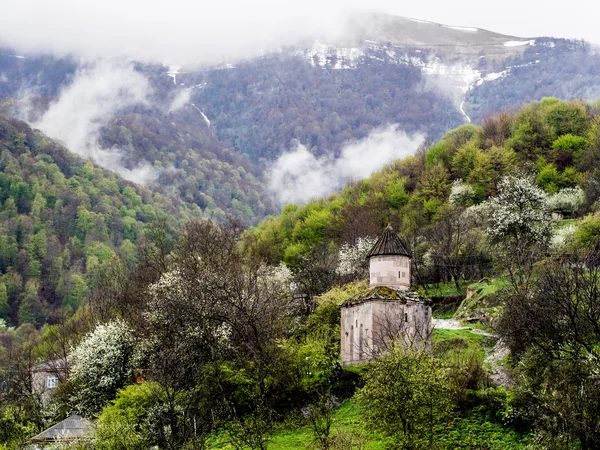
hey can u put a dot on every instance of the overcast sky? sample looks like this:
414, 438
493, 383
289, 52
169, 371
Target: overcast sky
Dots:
186, 31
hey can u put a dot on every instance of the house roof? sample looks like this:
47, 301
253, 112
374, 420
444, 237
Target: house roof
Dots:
74, 427
58, 365
388, 244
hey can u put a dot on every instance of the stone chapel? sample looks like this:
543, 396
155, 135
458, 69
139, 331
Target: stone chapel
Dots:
389, 310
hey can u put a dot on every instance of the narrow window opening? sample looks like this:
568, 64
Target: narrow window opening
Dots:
360, 342
406, 317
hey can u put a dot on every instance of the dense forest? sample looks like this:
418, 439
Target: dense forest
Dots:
233, 121
207, 335
62, 222
260, 106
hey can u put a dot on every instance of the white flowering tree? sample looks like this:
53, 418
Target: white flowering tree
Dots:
566, 201
519, 223
101, 364
352, 257
462, 194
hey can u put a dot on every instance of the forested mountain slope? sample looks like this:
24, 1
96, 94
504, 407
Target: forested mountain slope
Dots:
424, 196
62, 222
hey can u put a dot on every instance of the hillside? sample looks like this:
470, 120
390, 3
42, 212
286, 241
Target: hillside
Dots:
239, 350
63, 221
556, 143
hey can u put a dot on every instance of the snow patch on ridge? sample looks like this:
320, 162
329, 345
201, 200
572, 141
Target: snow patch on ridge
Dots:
417, 20
455, 79
467, 29
519, 43
322, 55
173, 72
202, 114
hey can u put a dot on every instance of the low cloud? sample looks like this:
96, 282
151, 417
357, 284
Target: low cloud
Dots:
181, 99
297, 176
89, 102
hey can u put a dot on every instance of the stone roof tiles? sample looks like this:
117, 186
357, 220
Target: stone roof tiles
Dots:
388, 244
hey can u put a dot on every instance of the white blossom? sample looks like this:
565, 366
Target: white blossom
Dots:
566, 201
352, 257
519, 212
279, 275
561, 236
101, 364
462, 194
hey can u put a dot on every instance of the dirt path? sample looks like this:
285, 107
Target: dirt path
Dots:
495, 359
447, 324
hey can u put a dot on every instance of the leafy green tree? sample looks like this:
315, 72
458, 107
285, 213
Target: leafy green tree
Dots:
568, 149
3, 301
531, 135
30, 308
406, 394
465, 160
566, 118
396, 194
123, 423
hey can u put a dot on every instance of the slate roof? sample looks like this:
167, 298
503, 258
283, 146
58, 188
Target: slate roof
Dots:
388, 244
58, 365
74, 427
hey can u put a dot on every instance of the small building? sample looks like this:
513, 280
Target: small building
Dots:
74, 428
389, 311
46, 377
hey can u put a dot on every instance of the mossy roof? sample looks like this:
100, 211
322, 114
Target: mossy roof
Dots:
384, 293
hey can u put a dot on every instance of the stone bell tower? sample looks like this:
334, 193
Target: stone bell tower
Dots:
388, 312
389, 262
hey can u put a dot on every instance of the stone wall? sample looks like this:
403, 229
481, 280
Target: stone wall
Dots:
368, 328
392, 271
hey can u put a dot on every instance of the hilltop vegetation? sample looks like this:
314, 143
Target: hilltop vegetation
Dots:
557, 143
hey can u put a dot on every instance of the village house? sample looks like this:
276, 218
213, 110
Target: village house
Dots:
46, 377
389, 311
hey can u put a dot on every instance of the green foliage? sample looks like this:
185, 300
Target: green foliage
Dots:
396, 194
3, 301
465, 160
566, 118
531, 133
405, 396
439, 153
123, 423
569, 148
588, 231
477, 431
60, 218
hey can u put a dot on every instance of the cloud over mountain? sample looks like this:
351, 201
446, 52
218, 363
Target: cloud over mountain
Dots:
297, 176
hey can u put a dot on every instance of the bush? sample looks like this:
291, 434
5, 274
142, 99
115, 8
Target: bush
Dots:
122, 423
